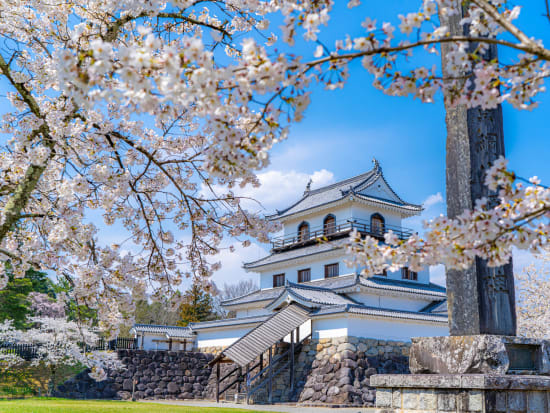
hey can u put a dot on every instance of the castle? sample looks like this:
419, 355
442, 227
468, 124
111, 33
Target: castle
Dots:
306, 270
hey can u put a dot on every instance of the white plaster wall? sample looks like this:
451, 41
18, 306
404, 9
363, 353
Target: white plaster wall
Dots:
304, 330
316, 221
363, 212
329, 327
220, 337
383, 329
398, 303
249, 312
317, 270
149, 343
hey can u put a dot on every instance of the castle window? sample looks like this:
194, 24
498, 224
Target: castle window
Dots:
278, 280
329, 225
304, 275
303, 232
332, 270
407, 274
377, 224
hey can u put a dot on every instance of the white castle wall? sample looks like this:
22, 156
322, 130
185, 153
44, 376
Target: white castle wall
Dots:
382, 329
291, 270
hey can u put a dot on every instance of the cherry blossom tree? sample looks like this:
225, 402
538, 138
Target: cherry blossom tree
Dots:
520, 219
57, 341
137, 112
533, 294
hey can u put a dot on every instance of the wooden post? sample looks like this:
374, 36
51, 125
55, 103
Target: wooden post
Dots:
240, 373
291, 361
218, 382
247, 384
261, 363
142, 341
170, 345
270, 377
184, 344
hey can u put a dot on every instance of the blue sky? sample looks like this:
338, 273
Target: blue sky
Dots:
343, 130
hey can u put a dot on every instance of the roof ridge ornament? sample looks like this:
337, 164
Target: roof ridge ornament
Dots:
308, 187
377, 167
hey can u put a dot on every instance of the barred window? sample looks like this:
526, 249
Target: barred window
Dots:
332, 270
304, 275
278, 280
407, 274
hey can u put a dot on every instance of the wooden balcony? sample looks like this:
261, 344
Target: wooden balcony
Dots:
339, 229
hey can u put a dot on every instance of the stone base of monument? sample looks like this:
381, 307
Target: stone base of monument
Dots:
427, 393
484, 354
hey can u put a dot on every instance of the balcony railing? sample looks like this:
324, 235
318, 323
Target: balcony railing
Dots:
336, 230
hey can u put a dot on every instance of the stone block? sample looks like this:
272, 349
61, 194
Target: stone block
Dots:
346, 346
475, 401
396, 399
500, 401
446, 400
410, 398
427, 400
536, 402
127, 385
517, 401
384, 398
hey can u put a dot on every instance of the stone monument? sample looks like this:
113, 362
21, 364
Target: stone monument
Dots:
482, 366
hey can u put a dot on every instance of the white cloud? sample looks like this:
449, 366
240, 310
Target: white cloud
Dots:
231, 271
279, 189
432, 200
434, 205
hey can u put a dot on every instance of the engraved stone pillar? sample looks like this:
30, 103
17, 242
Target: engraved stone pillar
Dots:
481, 299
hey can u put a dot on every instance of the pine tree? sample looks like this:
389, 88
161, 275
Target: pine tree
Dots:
198, 305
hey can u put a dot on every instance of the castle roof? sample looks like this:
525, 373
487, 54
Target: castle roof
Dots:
358, 186
168, 331
311, 250
308, 296
341, 284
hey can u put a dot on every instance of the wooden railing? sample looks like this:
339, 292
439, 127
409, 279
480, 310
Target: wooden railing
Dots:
25, 351
340, 228
30, 351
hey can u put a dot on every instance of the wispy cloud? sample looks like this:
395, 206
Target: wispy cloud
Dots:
279, 189
432, 200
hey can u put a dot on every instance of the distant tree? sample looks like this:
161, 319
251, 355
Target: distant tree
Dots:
197, 304
160, 312
236, 290
533, 293
14, 298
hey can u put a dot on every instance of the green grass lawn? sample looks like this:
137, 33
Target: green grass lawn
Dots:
44, 405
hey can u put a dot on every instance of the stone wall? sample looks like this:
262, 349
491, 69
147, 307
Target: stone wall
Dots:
332, 372
338, 370
157, 375
211, 350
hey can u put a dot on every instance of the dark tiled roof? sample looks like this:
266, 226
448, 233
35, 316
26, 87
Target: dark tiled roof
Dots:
313, 295
346, 281
255, 296
169, 331
380, 312
297, 253
340, 190
404, 286
436, 307
229, 322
